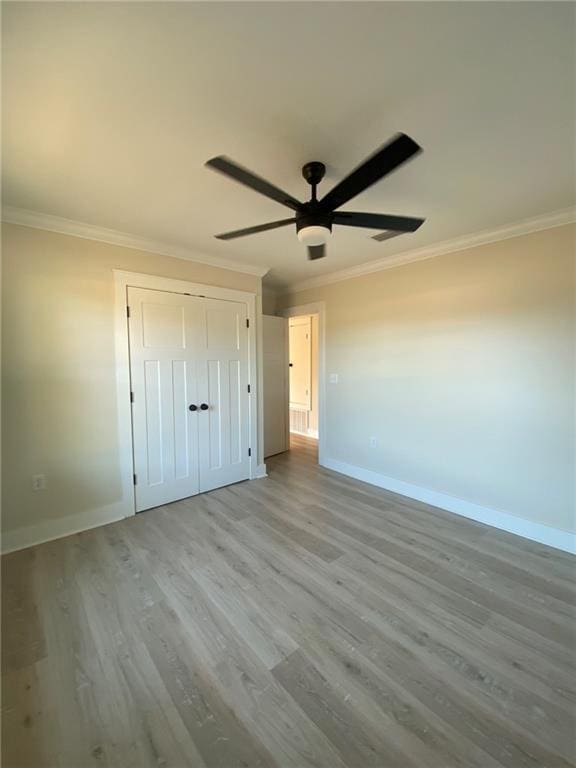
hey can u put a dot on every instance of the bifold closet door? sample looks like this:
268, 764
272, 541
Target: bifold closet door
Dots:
164, 332
223, 369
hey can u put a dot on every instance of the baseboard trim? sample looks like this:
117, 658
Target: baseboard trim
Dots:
22, 538
309, 433
543, 534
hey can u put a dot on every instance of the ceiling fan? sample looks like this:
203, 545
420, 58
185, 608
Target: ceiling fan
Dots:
315, 218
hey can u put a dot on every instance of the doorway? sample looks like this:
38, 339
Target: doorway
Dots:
303, 376
310, 430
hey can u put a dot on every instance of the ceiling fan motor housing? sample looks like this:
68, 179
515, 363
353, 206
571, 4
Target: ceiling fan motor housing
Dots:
313, 227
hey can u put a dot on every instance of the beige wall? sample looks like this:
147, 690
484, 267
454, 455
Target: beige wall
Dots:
462, 367
269, 301
59, 397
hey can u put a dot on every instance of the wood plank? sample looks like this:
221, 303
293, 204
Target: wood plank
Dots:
357, 744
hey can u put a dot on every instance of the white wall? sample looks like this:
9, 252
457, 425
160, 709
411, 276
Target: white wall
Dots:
462, 368
58, 365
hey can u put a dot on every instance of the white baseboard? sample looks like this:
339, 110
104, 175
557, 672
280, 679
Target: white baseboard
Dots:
21, 538
309, 433
544, 534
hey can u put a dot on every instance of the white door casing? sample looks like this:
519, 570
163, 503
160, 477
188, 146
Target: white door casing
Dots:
187, 351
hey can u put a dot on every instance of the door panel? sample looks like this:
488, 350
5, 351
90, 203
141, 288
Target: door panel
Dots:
163, 326
235, 389
164, 330
223, 386
181, 401
275, 355
154, 422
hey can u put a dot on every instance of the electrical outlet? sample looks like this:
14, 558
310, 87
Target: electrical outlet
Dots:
38, 482
373, 442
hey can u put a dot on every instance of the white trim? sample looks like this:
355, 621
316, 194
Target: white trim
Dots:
259, 356
544, 534
260, 472
124, 280
312, 433
21, 538
525, 227
92, 232
317, 308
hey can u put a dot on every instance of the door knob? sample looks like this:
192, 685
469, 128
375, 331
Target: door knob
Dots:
192, 407
204, 407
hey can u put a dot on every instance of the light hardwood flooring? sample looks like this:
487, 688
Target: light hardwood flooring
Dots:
306, 619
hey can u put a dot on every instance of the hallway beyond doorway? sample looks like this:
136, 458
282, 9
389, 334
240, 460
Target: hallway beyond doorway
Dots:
303, 375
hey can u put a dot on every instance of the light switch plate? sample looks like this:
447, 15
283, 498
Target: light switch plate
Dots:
333, 378
38, 482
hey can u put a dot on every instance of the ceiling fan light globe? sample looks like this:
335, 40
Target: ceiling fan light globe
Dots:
314, 235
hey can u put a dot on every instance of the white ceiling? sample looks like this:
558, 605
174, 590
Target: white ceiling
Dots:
111, 109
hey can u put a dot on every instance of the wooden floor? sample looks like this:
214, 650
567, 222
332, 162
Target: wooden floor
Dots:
302, 620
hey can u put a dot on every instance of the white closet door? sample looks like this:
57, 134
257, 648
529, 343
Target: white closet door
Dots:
164, 332
223, 387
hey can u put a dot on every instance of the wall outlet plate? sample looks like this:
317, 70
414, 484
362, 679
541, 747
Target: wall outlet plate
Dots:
38, 482
373, 441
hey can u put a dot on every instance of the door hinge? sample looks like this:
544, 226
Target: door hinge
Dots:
131, 397
249, 451
248, 388
127, 311
247, 323
135, 479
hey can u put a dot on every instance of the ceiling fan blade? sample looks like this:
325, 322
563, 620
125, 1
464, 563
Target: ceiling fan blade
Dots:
316, 252
384, 161
381, 236
377, 221
249, 179
254, 230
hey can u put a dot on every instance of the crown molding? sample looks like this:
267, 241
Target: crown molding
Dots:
63, 226
524, 227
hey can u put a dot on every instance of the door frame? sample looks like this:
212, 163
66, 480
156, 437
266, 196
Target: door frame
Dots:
316, 308
124, 280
